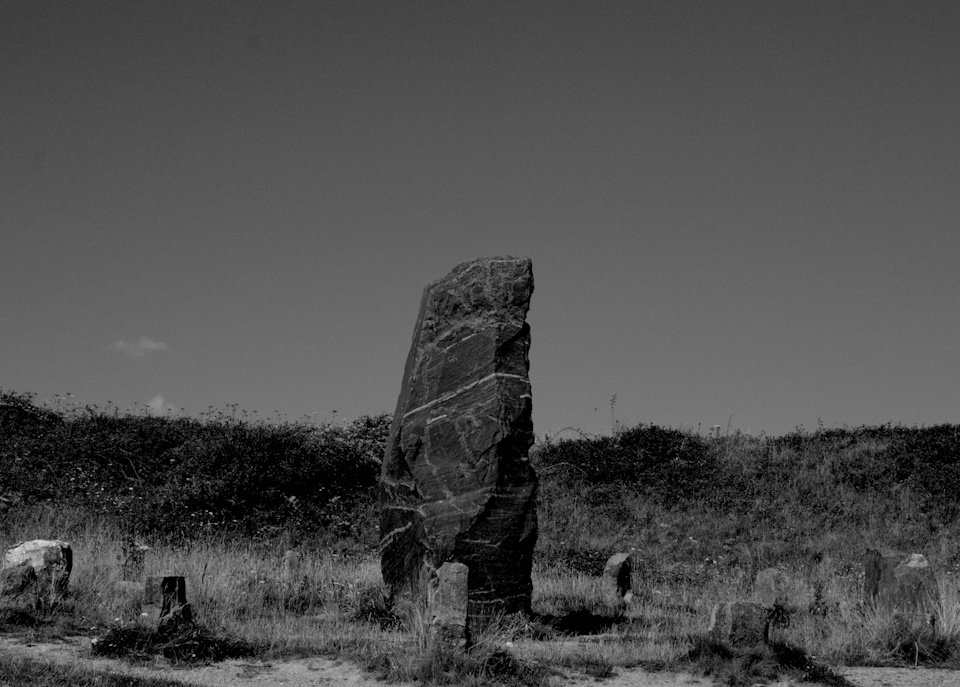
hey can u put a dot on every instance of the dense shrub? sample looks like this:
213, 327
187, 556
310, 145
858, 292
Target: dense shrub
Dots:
928, 460
178, 475
666, 463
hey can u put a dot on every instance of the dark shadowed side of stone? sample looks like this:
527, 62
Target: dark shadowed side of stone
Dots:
456, 483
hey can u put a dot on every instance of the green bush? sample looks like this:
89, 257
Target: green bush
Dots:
666, 463
178, 476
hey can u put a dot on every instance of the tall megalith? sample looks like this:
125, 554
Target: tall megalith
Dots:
456, 483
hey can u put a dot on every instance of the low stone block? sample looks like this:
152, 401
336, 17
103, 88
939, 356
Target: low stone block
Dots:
739, 623
615, 583
898, 581
51, 560
448, 606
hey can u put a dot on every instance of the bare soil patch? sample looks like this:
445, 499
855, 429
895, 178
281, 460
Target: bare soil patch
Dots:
317, 671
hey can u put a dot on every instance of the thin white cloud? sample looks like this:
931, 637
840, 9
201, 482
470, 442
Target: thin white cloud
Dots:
158, 406
140, 348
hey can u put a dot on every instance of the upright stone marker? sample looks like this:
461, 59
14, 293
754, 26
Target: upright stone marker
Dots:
456, 483
899, 581
616, 583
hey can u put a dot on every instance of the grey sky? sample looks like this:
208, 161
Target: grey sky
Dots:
737, 212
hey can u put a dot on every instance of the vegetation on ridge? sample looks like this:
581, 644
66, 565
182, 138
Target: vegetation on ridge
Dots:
221, 497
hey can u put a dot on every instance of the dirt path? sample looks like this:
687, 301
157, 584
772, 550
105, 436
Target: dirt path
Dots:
314, 672
311, 672
306, 672
902, 677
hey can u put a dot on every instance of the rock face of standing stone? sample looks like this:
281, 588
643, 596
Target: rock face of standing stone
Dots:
456, 483
615, 583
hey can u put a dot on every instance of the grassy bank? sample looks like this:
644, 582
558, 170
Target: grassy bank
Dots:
220, 500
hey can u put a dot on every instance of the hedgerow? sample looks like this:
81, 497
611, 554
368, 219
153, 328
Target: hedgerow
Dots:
182, 476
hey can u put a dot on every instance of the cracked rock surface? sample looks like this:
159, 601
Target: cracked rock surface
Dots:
456, 482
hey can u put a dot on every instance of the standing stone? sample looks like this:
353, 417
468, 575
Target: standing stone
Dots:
456, 483
18, 586
51, 560
770, 589
165, 601
899, 581
448, 606
615, 583
739, 623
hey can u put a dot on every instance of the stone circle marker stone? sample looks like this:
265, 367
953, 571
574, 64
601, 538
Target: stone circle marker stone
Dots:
448, 606
899, 581
739, 623
165, 602
456, 484
771, 588
615, 583
51, 560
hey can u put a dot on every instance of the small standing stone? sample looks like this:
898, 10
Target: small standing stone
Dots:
615, 583
165, 598
290, 568
770, 588
448, 606
739, 623
899, 581
51, 560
